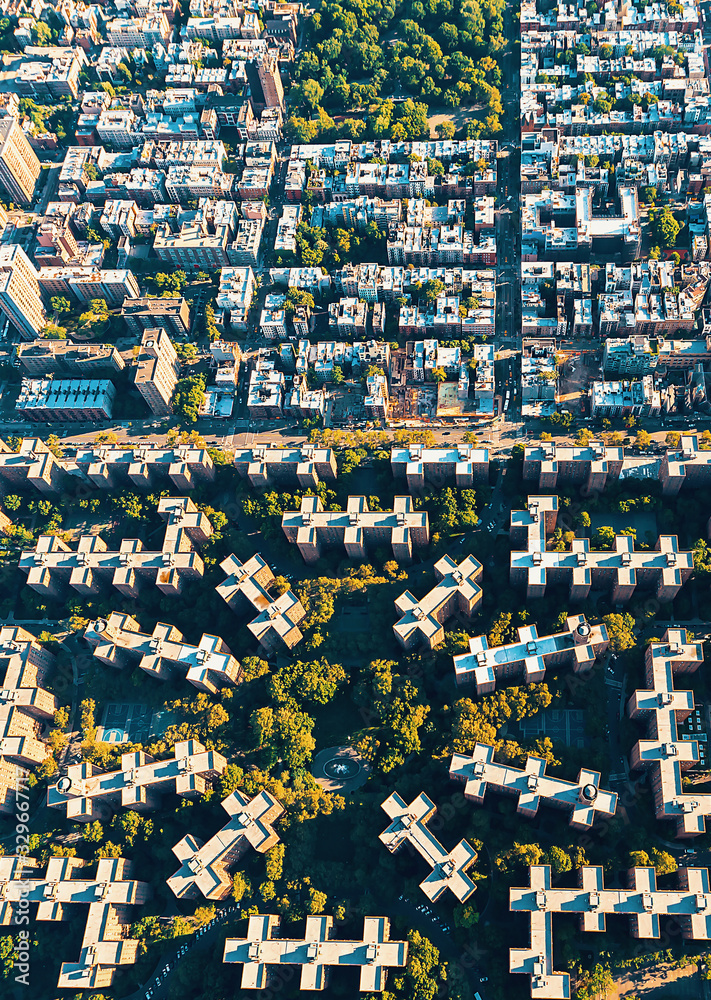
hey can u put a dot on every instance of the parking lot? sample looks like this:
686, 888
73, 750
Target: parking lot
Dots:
159, 982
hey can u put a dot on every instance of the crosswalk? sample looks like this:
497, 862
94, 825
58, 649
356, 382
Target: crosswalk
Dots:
612, 683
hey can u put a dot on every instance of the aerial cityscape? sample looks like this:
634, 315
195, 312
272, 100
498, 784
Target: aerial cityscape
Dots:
355, 531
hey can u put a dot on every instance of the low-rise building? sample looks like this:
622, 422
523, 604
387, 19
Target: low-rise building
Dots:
315, 953
171, 314
205, 868
40, 357
146, 466
265, 395
34, 465
247, 584
272, 322
551, 464
457, 591
235, 294
376, 396
51, 565
116, 127
690, 465
637, 398
244, 249
527, 659
305, 466
87, 793
285, 239
45, 400
459, 465
85, 282
119, 217
638, 355
663, 569
642, 902
348, 317
409, 826
584, 800
106, 942
661, 706
25, 706
193, 246
357, 528
209, 666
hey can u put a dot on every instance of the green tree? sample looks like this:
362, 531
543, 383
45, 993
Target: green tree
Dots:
188, 397
446, 129
52, 331
240, 886
620, 629
296, 297
127, 824
41, 33
466, 917
664, 862
432, 289
274, 862
643, 439
301, 129
594, 984
519, 856
95, 321
439, 375
284, 734
267, 891
93, 832
316, 901
315, 682
423, 968
308, 93
60, 304
559, 860
502, 630
604, 537
186, 352
665, 226
7, 956
128, 505
108, 850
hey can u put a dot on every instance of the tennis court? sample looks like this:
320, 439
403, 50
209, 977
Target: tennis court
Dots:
564, 724
125, 723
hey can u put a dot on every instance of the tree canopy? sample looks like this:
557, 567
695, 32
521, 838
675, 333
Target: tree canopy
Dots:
188, 397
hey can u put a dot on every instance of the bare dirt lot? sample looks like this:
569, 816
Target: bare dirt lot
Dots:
660, 983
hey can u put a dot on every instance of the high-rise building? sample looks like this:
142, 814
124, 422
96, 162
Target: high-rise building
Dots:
171, 314
20, 296
19, 167
270, 81
157, 371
